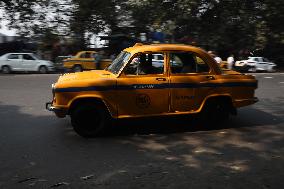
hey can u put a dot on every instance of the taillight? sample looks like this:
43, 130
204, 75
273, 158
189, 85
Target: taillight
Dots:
53, 89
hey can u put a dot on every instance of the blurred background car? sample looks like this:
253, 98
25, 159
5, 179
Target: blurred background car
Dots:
158, 60
85, 60
58, 63
223, 64
254, 64
27, 62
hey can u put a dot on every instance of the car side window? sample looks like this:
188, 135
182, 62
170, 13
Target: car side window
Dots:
88, 55
187, 62
82, 55
257, 59
85, 55
13, 56
28, 57
144, 64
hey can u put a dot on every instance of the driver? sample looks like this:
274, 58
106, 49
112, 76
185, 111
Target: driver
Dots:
145, 66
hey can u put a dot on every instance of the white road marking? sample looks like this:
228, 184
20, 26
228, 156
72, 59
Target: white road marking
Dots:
281, 82
276, 73
268, 77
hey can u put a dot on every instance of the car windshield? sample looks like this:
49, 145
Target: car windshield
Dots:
117, 64
36, 56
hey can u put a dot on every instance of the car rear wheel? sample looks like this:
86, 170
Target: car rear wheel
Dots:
215, 111
271, 69
90, 119
253, 69
6, 70
77, 68
42, 69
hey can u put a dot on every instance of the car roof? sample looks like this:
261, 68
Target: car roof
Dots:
162, 47
19, 53
87, 51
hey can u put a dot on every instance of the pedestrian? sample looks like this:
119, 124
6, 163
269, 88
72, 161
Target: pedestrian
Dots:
231, 61
217, 58
97, 59
112, 56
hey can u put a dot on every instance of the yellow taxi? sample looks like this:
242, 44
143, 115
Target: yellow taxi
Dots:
85, 60
182, 80
224, 64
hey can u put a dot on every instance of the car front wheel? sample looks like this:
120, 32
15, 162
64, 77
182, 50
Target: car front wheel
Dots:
42, 69
77, 68
90, 119
6, 70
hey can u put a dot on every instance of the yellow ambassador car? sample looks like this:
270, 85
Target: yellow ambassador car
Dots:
184, 80
84, 60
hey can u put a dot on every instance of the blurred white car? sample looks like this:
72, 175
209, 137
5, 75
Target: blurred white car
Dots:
158, 60
254, 64
12, 62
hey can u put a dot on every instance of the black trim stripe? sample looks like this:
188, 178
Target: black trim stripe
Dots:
155, 86
66, 61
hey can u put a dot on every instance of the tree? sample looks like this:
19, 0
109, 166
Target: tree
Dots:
227, 26
34, 17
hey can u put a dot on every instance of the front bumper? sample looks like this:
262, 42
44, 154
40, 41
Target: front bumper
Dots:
245, 102
59, 112
51, 68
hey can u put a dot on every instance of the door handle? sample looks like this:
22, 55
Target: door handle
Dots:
161, 79
210, 77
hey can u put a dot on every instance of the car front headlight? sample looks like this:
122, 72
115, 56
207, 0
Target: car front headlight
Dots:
53, 88
251, 63
49, 63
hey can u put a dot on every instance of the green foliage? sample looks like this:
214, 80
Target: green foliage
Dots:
227, 26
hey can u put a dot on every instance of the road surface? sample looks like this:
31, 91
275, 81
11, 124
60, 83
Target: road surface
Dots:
38, 150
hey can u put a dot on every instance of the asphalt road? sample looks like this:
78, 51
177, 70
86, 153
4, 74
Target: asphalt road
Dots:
38, 150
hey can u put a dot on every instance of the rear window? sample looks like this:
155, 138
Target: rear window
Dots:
28, 57
13, 56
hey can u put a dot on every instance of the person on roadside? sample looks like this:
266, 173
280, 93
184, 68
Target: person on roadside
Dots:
231, 61
98, 58
112, 56
217, 58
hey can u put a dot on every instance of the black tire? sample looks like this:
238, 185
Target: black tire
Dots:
77, 68
42, 69
90, 119
6, 69
215, 111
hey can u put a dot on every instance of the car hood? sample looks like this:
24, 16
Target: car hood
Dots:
230, 72
45, 62
86, 75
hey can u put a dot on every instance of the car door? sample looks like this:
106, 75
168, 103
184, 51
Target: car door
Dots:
143, 93
190, 81
265, 63
15, 61
29, 63
87, 60
269, 65
259, 63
